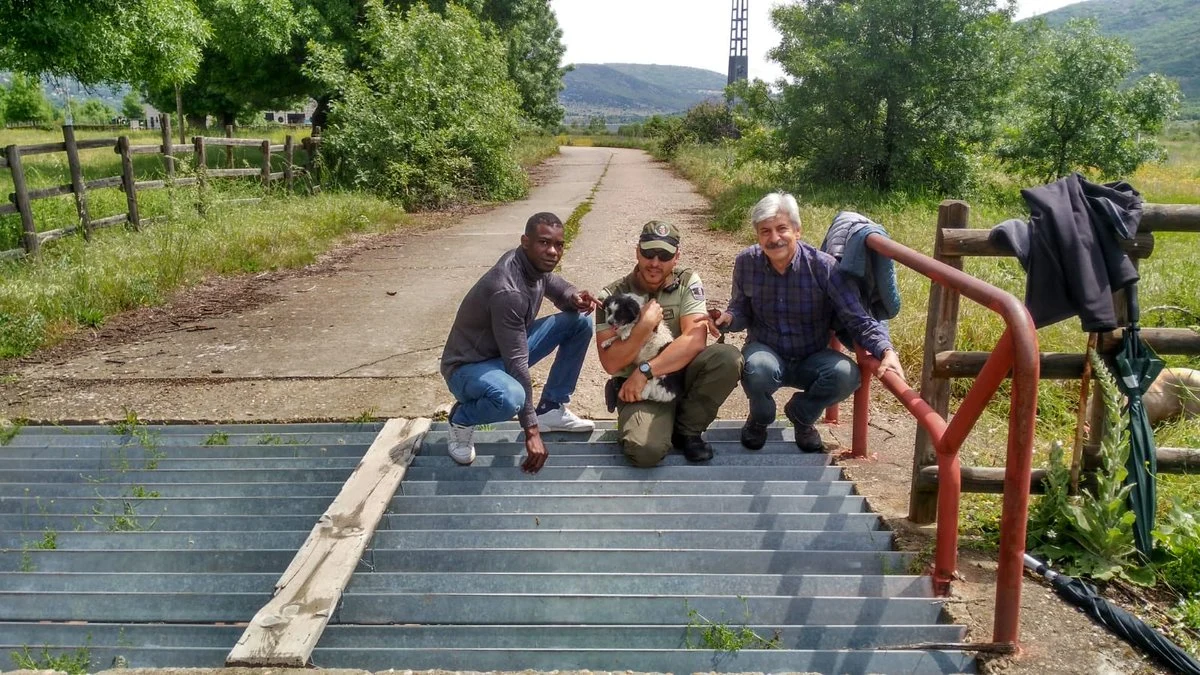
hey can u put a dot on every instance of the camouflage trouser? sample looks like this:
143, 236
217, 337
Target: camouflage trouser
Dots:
645, 427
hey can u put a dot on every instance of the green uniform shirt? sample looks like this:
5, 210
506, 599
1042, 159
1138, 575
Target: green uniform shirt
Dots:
684, 295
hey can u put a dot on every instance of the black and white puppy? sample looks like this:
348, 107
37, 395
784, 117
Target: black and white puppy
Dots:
623, 311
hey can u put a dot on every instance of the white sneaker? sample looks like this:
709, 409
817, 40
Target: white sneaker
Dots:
461, 447
561, 419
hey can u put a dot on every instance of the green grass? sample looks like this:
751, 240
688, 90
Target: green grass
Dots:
217, 438
1170, 277
533, 149
74, 284
605, 141
574, 221
71, 662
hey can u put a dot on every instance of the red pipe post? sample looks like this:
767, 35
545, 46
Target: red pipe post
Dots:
1023, 344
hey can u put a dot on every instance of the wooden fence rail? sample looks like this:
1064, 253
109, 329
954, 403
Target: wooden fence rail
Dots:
21, 199
943, 363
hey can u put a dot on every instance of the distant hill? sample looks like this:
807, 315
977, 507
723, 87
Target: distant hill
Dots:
625, 91
1165, 35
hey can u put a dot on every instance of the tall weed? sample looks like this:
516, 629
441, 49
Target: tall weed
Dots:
1092, 534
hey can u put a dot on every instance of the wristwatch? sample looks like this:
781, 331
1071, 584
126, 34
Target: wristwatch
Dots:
644, 368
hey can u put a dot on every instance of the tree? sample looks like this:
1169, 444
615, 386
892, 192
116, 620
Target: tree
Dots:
252, 63
533, 39
656, 126
131, 106
26, 101
429, 116
535, 51
892, 92
93, 111
597, 125
755, 112
1073, 113
102, 41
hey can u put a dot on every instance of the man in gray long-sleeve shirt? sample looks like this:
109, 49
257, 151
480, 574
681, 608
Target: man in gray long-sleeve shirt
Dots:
496, 337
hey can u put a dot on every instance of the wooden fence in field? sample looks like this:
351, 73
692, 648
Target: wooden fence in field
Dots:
942, 363
22, 198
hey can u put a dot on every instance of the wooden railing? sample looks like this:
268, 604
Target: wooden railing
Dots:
943, 363
22, 197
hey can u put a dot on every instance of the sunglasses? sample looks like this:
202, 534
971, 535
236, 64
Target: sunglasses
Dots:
657, 254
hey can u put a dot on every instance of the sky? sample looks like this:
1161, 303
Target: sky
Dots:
682, 32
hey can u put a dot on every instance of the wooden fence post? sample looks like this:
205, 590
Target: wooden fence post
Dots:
266, 164
168, 149
20, 197
289, 151
201, 158
85, 223
229, 148
127, 179
314, 142
941, 330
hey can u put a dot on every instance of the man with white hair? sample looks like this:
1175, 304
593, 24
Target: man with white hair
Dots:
786, 293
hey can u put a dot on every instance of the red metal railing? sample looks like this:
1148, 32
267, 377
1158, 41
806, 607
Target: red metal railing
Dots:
1017, 352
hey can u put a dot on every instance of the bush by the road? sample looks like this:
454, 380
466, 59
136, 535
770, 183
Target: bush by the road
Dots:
429, 117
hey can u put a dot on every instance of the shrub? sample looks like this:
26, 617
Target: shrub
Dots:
710, 122
1179, 545
429, 116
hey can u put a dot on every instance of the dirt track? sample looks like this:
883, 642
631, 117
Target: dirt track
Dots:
360, 333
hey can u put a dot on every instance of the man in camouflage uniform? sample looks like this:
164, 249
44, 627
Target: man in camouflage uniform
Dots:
649, 429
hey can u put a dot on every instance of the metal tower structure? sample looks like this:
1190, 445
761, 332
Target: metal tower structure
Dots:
739, 30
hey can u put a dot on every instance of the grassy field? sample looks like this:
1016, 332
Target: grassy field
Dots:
77, 284
1169, 279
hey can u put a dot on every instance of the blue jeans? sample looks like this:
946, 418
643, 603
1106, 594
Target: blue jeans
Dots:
486, 393
826, 377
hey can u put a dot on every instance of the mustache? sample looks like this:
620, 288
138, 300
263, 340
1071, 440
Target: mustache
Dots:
779, 244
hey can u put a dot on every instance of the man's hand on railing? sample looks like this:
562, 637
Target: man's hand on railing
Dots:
890, 362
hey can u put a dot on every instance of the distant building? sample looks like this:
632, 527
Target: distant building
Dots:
300, 116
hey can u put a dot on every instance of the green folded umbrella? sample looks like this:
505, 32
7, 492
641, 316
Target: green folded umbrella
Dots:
1137, 366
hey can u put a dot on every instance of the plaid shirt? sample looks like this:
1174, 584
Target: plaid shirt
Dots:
792, 312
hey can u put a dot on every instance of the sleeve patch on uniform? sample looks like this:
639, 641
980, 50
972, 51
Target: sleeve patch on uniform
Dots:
697, 291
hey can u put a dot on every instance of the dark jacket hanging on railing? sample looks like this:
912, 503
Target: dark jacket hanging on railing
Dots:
1071, 249
874, 274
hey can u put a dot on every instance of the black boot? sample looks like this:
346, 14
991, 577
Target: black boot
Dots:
808, 439
694, 448
754, 435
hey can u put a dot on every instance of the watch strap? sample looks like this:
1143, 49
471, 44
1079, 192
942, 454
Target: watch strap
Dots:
644, 368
